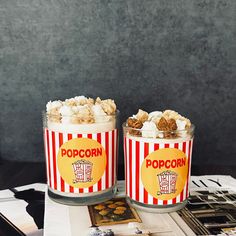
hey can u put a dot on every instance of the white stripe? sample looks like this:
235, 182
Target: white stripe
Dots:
172, 145
51, 159
178, 198
169, 202
127, 162
46, 154
133, 170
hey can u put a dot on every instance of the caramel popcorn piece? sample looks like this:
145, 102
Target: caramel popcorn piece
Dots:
172, 125
134, 123
168, 126
142, 115
163, 124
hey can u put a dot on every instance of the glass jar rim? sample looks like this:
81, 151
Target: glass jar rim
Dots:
190, 129
45, 114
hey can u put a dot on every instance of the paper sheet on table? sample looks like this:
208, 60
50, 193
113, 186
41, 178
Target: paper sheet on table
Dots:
61, 220
15, 210
72, 221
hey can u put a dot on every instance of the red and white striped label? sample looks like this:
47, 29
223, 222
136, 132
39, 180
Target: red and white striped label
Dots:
78, 168
152, 176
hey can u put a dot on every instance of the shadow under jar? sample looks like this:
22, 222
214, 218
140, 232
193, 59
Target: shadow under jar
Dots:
81, 159
157, 170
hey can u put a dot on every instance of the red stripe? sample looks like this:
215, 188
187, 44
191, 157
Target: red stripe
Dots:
60, 144
167, 145
156, 146
90, 189
100, 180
48, 160
113, 157
182, 196
54, 160
71, 189
130, 169
79, 135
137, 146
174, 200
184, 147
126, 162
108, 158
146, 152
177, 145
165, 202
154, 201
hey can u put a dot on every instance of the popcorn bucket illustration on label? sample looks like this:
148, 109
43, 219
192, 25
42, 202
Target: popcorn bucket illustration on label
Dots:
81, 167
157, 171
167, 181
83, 171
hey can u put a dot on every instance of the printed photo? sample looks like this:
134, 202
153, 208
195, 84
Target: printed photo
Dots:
115, 211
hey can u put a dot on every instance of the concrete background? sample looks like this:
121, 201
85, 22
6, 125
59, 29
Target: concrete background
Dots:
144, 54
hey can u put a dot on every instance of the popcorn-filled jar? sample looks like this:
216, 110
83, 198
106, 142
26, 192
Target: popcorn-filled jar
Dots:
81, 145
157, 167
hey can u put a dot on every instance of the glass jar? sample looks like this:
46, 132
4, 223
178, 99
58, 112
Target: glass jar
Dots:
157, 170
81, 159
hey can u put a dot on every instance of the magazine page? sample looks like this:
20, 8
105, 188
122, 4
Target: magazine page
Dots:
211, 208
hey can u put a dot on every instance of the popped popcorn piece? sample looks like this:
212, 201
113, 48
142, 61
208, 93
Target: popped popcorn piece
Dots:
181, 124
55, 105
155, 116
107, 105
82, 100
149, 129
168, 114
99, 114
142, 115
52, 109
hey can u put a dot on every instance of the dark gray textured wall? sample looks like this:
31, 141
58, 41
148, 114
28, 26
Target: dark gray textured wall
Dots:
148, 54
